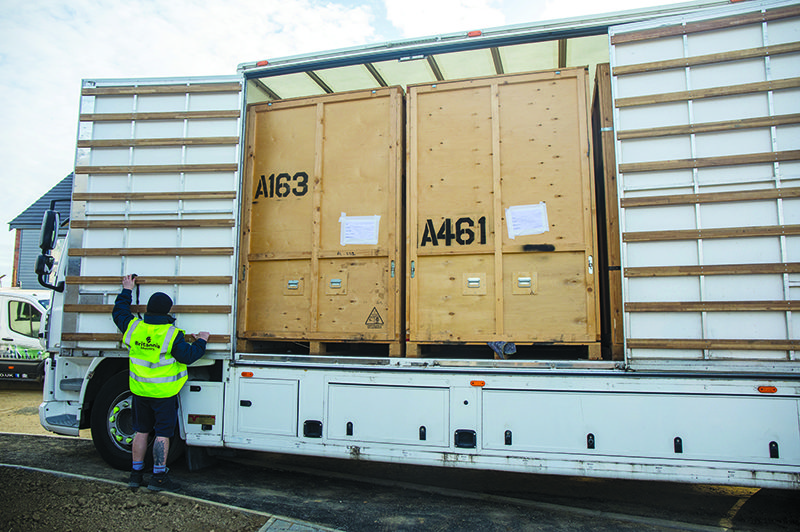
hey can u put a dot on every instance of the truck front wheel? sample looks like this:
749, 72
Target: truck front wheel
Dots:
112, 425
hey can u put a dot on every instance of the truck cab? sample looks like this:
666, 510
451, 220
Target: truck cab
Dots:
21, 351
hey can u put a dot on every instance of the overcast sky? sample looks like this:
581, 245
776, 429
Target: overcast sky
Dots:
48, 46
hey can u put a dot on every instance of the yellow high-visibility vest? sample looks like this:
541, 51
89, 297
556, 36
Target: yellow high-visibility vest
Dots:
153, 370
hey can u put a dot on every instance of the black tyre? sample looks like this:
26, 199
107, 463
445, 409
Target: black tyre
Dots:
112, 425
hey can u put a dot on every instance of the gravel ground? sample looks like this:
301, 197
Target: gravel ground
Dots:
35, 501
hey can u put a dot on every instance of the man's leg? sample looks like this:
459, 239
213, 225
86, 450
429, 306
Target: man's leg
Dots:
166, 418
139, 447
142, 424
160, 452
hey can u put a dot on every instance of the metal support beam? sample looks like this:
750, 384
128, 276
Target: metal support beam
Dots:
497, 60
435, 68
319, 82
269, 92
375, 74
562, 53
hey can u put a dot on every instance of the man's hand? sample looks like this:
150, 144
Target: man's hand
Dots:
192, 337
129, 282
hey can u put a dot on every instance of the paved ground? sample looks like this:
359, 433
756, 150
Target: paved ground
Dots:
372, 497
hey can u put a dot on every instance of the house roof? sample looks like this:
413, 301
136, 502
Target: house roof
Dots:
31, 218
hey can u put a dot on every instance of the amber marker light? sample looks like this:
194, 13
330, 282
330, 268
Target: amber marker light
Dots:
767, 389
247, 374
477, 383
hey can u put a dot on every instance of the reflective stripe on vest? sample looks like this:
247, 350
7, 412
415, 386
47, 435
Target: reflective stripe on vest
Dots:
129, 333
160, 380
153, 372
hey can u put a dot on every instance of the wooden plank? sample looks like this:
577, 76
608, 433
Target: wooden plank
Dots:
194, 88
412, 301
157, 169
396, 234
176, 309
316, 215
152, 196
711, 162
615, 316
706, 25
695, 234
245, 228
714, 92
724, 269
283, 255
722, 344
712, 306
117, 337
151, 224
164, 115
147, 252
309, 336
603, 113
182, 280
348, 96
711, 197
735, 55
710, 127
591, 282
158, 142
497, 197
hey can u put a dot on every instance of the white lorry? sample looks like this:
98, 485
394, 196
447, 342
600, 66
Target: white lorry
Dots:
21, 351
696, 137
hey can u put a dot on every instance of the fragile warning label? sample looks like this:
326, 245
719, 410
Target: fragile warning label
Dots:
374, 321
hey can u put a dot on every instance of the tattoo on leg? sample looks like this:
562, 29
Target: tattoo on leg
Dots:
159, 455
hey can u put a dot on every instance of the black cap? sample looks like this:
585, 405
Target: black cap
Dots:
159, 303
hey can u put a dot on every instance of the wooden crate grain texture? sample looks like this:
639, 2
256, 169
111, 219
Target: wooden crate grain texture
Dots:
309, 163
477, 148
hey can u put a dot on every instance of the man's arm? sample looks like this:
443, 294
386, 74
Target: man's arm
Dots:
186, 353
122, 305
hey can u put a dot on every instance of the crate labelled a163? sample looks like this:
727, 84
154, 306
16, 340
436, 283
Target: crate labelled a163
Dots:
321, 218
500, 211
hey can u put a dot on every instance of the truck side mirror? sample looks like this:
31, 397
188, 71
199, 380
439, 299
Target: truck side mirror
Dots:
44, 265
47, 242
49, 234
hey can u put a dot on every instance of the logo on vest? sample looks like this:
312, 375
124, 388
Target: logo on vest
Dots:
147, 344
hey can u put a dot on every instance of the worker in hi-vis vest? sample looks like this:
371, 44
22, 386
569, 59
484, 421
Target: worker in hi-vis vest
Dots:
159, 354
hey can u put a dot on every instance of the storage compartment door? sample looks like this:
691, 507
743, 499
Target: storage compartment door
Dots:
268, 406
389, 414
201, 412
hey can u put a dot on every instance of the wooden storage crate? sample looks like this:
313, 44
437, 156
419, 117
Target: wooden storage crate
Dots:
479, 149
320, 253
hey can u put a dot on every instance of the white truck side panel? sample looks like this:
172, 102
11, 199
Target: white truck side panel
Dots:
595, 422
155, 194
709, 173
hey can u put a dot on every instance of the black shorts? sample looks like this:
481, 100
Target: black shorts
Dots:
151, 413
